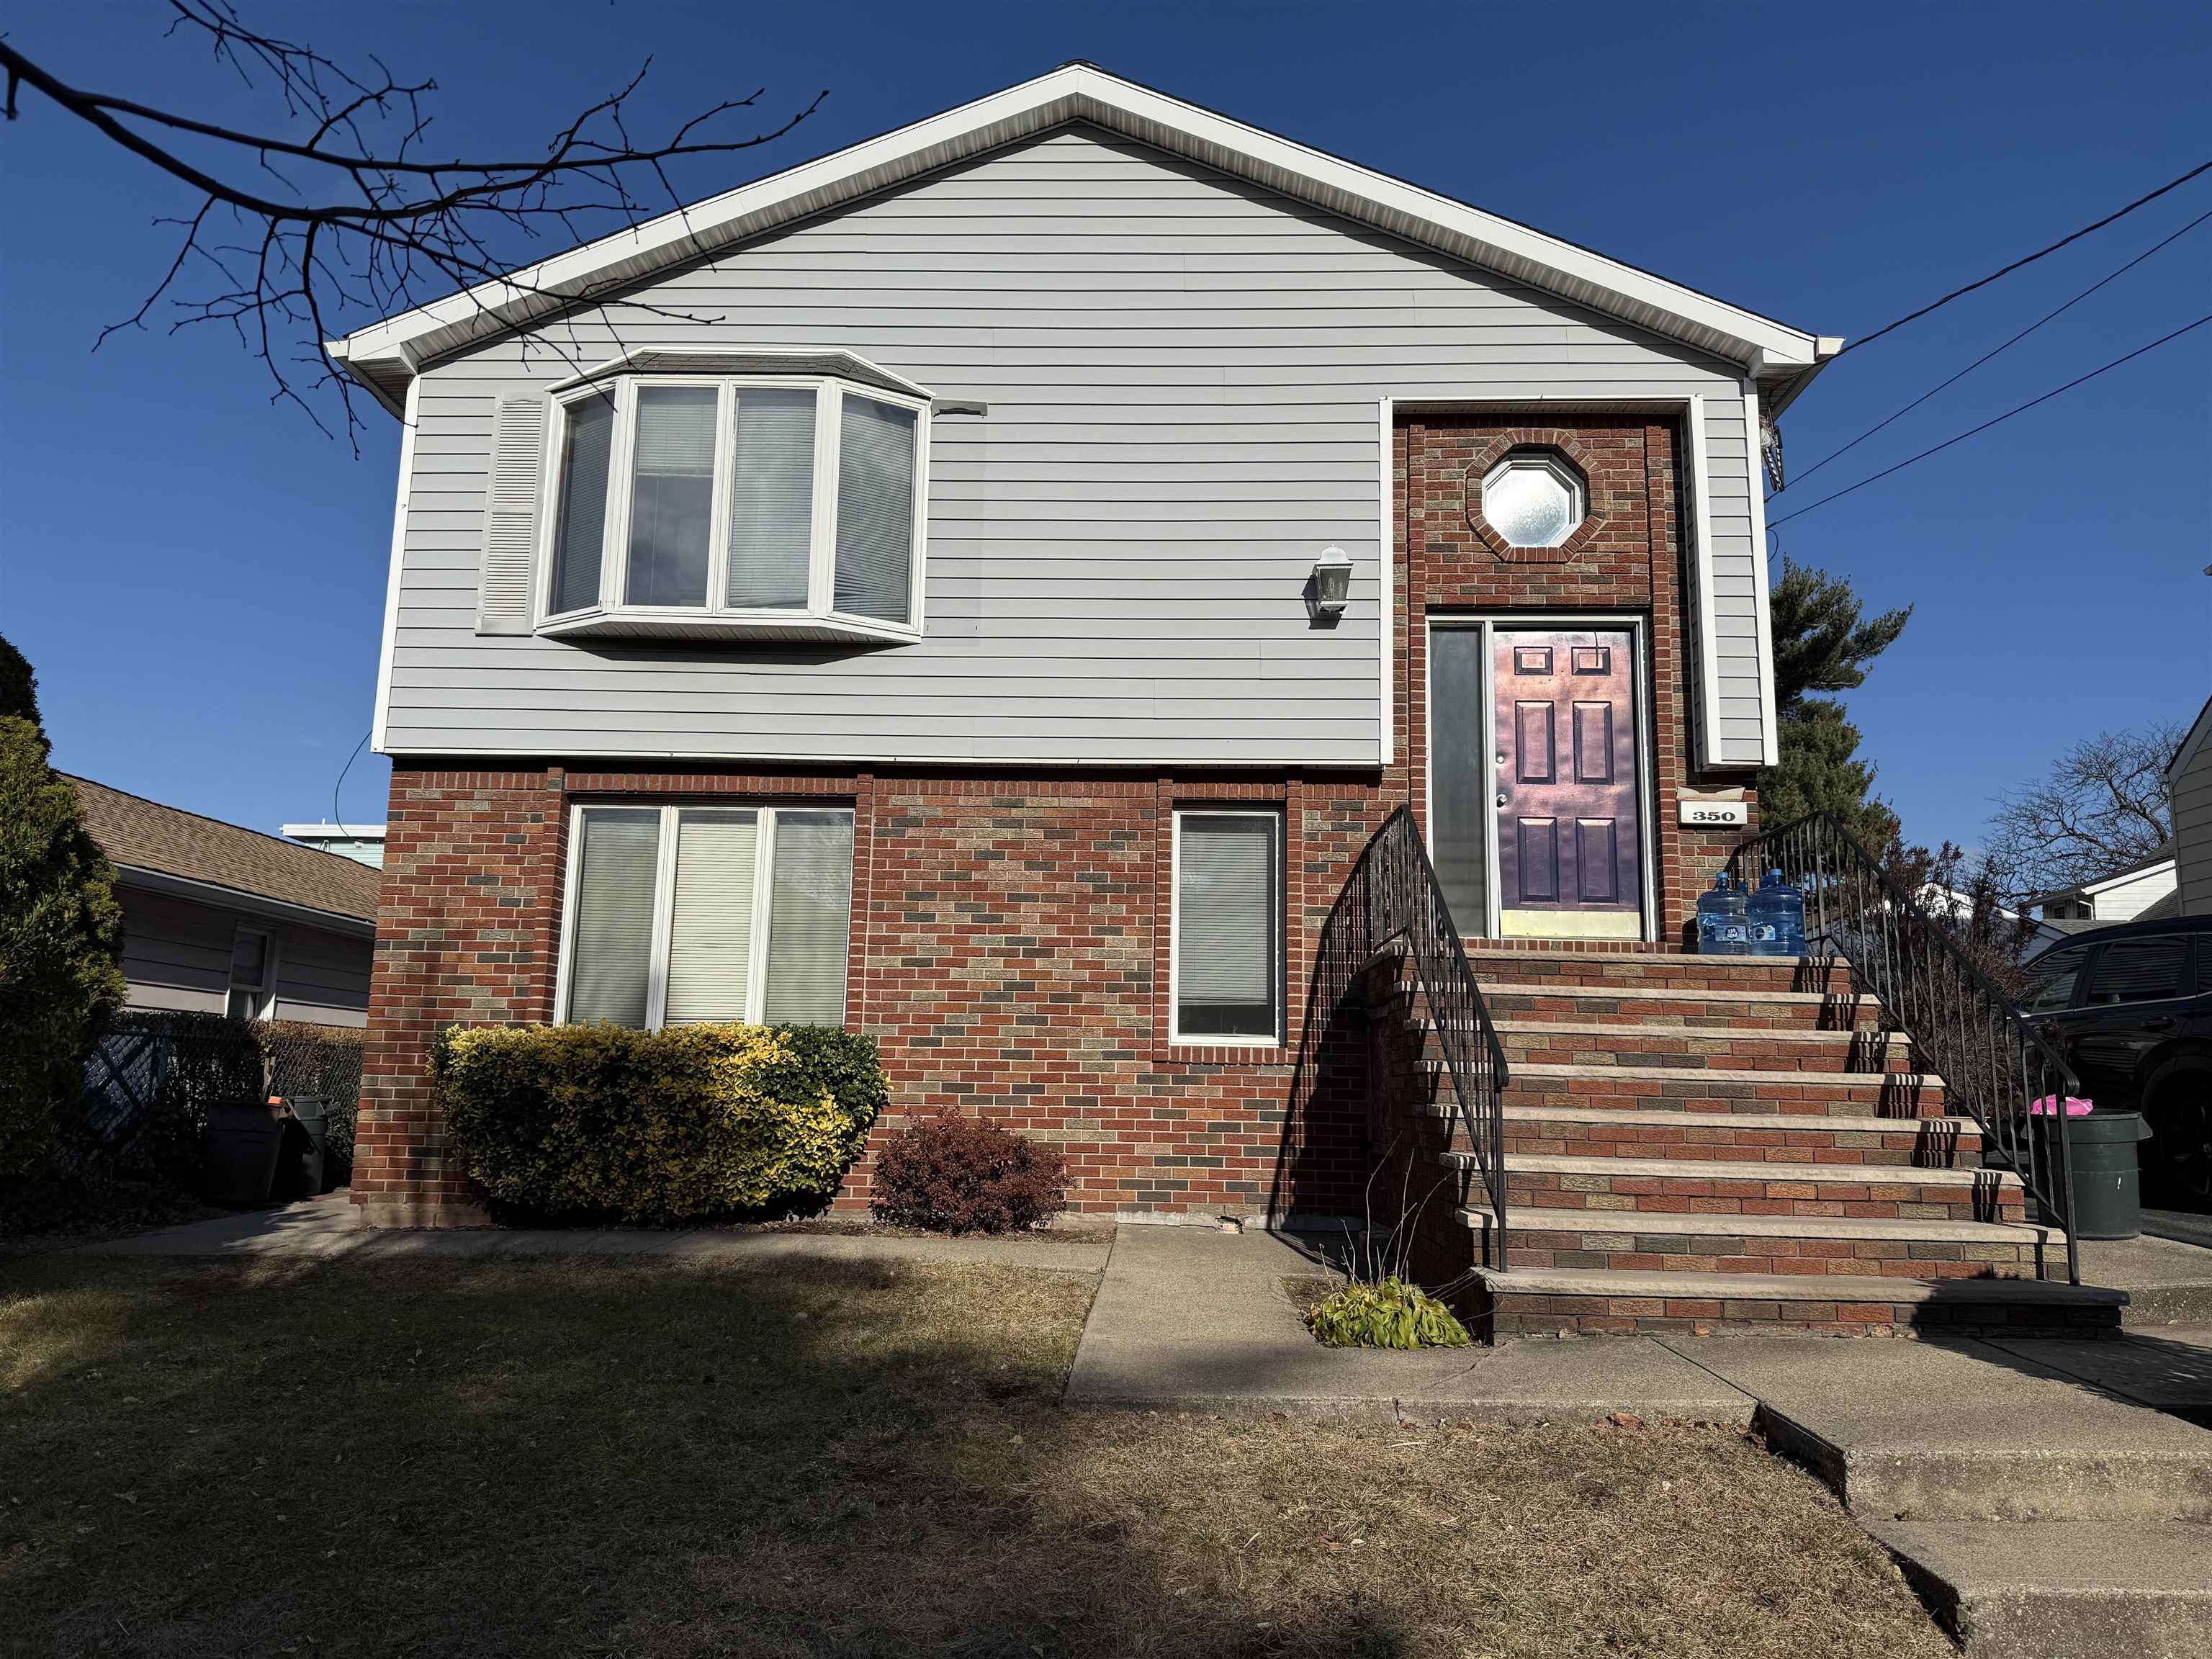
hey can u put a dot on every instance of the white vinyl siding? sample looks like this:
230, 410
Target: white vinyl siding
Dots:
177, 955
1228, 969
2192, 830
1183, 373
678, 915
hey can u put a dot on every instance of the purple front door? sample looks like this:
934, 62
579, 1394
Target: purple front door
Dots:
1569, 848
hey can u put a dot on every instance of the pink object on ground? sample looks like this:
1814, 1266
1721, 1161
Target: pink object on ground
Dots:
2047, 1107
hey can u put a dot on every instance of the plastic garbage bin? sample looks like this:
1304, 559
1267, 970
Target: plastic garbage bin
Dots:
237, 1156
2108, 1185
300, 1157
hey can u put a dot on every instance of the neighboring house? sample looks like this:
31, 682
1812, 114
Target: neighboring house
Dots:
361, 843
984, 586
2122, 895
2190, 774
218, 919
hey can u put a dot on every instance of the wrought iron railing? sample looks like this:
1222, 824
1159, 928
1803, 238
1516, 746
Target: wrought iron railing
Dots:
1392, 901
1907, 954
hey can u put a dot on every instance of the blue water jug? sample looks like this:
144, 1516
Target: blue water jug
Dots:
1776, 914
1723, 921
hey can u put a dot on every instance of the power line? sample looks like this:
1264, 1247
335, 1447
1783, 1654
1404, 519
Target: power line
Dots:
1994, 351
1957, 293
1993, 421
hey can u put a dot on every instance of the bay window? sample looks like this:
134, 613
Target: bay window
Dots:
1227, 966
681, 914
786, 506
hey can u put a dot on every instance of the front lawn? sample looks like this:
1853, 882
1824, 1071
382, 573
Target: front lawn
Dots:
606, 1457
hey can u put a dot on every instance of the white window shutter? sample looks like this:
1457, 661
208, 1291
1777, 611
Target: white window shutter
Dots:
510, 543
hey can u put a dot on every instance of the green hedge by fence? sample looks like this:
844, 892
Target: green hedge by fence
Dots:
586, 1122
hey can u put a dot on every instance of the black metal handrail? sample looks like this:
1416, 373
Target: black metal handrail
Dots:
1993, 1060
1391, 900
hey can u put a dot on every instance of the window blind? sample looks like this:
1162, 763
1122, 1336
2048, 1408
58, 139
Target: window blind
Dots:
711, 931
1226, 908
612, 955
671, 495
772, 497
875, 511
809, 918
581, 535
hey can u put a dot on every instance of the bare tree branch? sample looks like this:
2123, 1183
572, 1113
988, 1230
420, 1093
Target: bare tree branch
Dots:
367, 229
2105, 805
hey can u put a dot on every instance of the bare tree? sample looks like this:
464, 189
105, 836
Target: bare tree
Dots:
2104, 805
343, 213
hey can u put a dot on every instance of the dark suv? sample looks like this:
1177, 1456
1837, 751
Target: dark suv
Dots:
2131, 1006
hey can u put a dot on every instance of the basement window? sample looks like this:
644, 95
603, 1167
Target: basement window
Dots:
784, 505
679, 915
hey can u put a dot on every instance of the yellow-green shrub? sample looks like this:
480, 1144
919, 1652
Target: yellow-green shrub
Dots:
1389, 1315
579, 1123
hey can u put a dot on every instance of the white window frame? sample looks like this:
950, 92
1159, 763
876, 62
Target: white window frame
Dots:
1277, 935
264, 992
820, 616
664, 901
1538, 460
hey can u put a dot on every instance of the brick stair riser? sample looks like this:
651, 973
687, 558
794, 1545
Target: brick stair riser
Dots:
1813, 1098
1648, 971
1650, 1136
1746, 1012
1535, 1195
1871, 1055
1531, 1243
1512, 1315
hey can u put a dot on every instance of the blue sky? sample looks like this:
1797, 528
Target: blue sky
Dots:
198, 576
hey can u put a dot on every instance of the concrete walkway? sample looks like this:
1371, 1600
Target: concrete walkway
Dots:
327, 1228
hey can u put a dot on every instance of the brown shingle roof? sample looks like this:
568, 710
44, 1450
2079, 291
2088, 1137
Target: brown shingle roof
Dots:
148, 835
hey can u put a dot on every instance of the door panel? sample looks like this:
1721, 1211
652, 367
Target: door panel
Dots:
1569, 848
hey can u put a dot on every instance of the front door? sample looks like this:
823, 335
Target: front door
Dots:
1570, 844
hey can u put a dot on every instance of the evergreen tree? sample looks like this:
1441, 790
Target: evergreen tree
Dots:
61, 930
1823, 642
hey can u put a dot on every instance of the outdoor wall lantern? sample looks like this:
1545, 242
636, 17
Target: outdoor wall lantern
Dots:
1329, 587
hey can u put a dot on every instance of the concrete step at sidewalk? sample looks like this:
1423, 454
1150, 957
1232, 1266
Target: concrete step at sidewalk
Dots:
1748, 1136
1506, 964
2005, 1588
1671, 1089
1544, 1301
1632, 1241
1690, 1006
1690, 1187
1622, 1043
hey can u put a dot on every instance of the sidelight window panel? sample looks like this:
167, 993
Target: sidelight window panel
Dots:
1228, 926
581, 523
679, 915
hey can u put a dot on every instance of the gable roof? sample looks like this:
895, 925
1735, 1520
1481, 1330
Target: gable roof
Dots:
141, 835
2198, 732
384, 357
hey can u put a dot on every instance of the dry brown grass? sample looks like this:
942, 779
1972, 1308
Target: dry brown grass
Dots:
602, 1457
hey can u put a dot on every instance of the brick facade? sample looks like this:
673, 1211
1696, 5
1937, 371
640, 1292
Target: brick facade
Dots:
1010, 936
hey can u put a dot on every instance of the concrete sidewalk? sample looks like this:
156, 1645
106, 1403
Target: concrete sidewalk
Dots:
326, 1228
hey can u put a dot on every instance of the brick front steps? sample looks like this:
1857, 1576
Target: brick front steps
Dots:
1528, 1002
1787, 1137
1637, 1242
1543, 1302
1656, 969
1684, 1186
1579, 1042
1715, 1089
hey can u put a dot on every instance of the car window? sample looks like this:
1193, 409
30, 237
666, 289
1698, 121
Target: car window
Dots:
2140, 970
2050, 980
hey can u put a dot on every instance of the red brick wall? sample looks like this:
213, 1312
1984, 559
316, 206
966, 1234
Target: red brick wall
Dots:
1009, 934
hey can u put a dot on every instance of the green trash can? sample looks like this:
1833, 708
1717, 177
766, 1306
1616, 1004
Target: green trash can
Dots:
300, 1159
238, 1159
2108, 1185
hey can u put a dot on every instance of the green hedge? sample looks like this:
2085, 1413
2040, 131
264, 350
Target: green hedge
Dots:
586, 1122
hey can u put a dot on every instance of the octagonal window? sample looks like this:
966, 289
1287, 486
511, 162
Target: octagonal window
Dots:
1532, 500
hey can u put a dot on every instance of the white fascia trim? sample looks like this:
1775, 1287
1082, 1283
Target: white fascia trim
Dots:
1073, 92
2198, 732
335, 831
1701, 522
1386, 558
2149, 872
1769, 732
618, 364
411, 417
